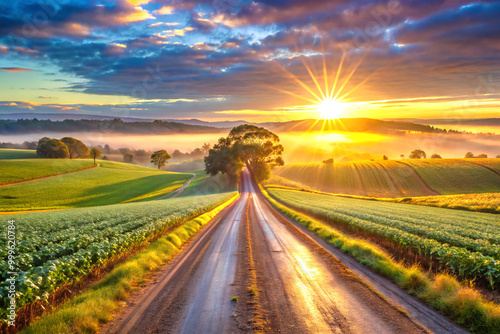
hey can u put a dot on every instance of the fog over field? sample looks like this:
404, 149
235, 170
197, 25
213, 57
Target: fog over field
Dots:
302, 147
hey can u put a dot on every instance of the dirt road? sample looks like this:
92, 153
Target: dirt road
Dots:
301, 288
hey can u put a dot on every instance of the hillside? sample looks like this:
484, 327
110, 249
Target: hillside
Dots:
18, 170
109, 183
115, 125
408, 178
17, 154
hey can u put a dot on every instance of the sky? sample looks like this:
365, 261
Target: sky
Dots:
254, 60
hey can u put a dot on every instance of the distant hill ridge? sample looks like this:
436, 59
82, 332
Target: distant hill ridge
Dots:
170, 126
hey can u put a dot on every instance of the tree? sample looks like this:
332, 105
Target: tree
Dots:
482, 156
436, 156
402, 156
76, 148
417, 154
329, 161
385, 157
469, 155
52, 148
95, 153
128, 158
246, 145
498, 156
206, 147
160, 158
124, 150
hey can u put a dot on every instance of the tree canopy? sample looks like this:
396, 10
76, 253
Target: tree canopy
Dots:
52, 148
417, 154
246, 145
76, 148
160, 158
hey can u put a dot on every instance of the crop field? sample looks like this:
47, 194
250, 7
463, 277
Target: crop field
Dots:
392, 179
53, 248
364, 178
16, 170
456, 176
6, 153
468, 243
110, 183
493, 164
486, 202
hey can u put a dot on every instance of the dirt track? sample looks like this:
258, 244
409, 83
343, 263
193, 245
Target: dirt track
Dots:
302, 288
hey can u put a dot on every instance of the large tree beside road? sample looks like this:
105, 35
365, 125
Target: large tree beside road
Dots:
249, 146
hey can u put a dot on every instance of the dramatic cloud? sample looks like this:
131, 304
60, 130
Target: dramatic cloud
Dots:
259, 53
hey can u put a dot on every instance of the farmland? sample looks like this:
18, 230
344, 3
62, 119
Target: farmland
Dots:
17, 154
487, 202
493, 164
456, 176
58, 247
392, 179
109, 183
465, 242
26, 169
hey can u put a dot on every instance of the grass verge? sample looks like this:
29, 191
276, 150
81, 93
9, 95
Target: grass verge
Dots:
88, 311
443, 292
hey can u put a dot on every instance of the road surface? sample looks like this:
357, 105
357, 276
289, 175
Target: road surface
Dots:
301, 288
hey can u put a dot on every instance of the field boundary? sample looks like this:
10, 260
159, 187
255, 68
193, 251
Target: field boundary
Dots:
419, 177
65, 293
484, 166
45, 177
179, 190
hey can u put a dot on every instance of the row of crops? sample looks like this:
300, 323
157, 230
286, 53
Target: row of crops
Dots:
468, 243
390, 178
58, 247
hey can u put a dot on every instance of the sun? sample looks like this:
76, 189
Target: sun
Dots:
330, 108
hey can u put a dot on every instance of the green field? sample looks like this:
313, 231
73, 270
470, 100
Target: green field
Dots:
110, 183
456, 176
53, 248
392, 179
493, 164
485, 202
466, 242
362, 178
6, 153
26, 169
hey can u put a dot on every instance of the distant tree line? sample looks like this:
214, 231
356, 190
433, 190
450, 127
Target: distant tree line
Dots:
116, 125
131, 155
27, 145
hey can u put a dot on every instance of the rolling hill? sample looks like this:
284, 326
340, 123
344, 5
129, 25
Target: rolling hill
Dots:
109, 183
408, 178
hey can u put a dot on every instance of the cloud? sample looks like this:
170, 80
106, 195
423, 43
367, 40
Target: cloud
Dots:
165, 10
69, 20
168, 24
15, 69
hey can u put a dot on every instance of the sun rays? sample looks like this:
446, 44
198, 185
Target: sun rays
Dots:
326, 94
